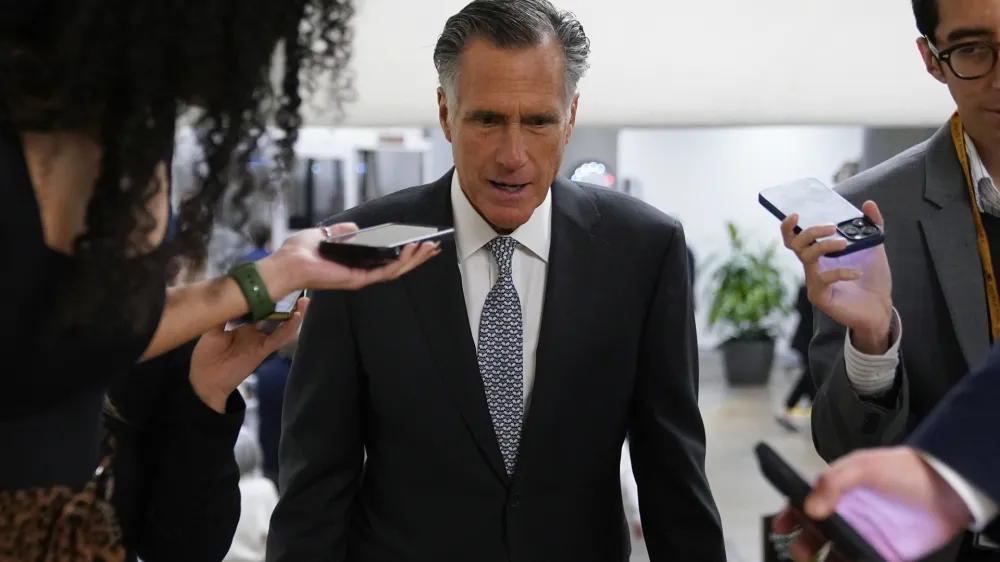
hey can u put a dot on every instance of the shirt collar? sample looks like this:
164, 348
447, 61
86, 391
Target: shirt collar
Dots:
978, 171
472, 232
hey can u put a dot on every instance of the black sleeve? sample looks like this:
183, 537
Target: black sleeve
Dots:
188, 503
667, 436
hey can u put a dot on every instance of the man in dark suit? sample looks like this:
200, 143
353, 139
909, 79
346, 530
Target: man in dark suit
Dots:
933, 275
475, 410
946, 472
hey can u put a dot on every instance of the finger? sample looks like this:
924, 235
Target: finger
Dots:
810, 235
831, 276
807, 545
288, 329
870, 209
340, 228
875, 469
788, 229
425, 252
787, 522
811, 254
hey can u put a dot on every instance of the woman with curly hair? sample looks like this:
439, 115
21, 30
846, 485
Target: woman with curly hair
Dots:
90, 92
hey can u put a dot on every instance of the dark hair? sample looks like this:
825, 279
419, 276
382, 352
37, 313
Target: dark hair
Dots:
511, 24
260, 234
124, 71
926, 14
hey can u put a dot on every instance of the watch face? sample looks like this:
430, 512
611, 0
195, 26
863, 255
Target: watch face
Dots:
594, 172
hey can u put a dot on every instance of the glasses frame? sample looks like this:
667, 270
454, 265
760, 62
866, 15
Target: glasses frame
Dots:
944, 55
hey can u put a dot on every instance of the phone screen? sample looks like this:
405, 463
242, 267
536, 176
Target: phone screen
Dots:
386, 235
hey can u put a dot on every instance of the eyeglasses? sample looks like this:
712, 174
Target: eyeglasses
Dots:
967, 61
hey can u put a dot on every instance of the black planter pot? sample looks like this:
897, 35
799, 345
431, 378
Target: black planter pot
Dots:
748, 362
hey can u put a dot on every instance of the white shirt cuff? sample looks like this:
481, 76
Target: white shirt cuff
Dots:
871, 375
982, 508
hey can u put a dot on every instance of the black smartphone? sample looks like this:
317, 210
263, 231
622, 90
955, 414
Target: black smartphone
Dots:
818, 205
371, 247
283, 310
786, 480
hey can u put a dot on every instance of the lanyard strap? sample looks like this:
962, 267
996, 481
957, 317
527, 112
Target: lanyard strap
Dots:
985, 258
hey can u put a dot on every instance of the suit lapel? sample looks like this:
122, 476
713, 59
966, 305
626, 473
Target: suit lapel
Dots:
574, 259
435, 289
951, 241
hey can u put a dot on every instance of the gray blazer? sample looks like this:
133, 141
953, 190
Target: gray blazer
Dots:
937, 289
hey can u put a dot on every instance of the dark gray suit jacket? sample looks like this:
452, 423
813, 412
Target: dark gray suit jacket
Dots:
937, 288
391, 370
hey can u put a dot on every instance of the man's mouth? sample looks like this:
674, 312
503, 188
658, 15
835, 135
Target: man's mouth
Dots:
510, 187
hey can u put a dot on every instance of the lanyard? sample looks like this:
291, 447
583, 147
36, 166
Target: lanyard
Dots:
985, 258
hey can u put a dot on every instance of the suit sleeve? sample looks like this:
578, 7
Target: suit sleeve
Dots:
842, 420
321, 453
961, 430
667, 435
191, 502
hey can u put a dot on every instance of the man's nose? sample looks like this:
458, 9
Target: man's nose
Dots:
512, 153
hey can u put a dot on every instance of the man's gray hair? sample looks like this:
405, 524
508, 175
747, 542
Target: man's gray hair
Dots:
511, 24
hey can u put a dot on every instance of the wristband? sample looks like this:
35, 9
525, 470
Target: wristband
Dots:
259, 301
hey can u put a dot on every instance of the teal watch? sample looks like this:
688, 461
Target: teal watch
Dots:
248, 278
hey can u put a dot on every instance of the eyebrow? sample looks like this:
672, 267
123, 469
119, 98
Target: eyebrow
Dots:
487, 114
969, 33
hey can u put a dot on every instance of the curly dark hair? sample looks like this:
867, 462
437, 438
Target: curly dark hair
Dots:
125, 71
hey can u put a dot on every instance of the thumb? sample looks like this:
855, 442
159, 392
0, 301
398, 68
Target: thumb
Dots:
842, 477
288, 329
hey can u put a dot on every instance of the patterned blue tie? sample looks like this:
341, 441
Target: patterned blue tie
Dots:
500, 357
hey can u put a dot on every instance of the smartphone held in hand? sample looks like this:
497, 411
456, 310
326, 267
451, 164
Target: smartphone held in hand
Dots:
818, 205
375, 246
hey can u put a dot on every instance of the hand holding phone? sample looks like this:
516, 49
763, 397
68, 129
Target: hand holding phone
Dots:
853, 287
786, 480
375, 246
816, 205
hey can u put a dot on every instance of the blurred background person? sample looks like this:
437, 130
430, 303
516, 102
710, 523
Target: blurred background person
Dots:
804, 386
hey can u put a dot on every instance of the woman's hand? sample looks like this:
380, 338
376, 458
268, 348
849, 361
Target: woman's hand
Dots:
298, 265
223, 359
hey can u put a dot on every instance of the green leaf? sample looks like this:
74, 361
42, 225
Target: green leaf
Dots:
747, 292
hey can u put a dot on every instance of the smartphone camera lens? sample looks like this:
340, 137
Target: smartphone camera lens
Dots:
852, 231
868, 231
860, 223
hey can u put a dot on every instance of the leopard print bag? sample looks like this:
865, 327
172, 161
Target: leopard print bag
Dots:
60, 525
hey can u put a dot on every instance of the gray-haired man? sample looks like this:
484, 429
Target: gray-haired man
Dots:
492, 388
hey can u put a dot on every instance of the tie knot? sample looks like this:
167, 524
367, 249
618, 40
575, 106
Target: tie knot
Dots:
503, 251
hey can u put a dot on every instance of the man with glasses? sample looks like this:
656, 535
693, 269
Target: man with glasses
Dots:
942, 214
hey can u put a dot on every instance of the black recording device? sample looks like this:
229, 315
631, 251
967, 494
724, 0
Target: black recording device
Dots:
786, 480
818, 205
372, 247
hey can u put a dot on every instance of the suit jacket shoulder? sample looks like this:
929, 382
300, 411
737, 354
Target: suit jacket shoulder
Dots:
901, 177
625, 218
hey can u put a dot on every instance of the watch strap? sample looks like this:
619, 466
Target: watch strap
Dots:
254, 291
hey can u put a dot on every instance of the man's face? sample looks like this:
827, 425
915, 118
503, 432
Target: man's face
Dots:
968, 22
508, 128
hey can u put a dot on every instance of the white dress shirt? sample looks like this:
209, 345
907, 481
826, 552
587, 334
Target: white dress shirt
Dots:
630, 491
871, 375
479, 269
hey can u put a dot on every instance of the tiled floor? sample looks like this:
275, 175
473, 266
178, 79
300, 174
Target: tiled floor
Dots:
735, 419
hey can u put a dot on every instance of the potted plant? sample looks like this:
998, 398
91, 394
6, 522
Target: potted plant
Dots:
748, 304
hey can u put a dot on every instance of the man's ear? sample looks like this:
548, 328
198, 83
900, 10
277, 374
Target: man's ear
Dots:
572, 117
443, 116
934, 66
